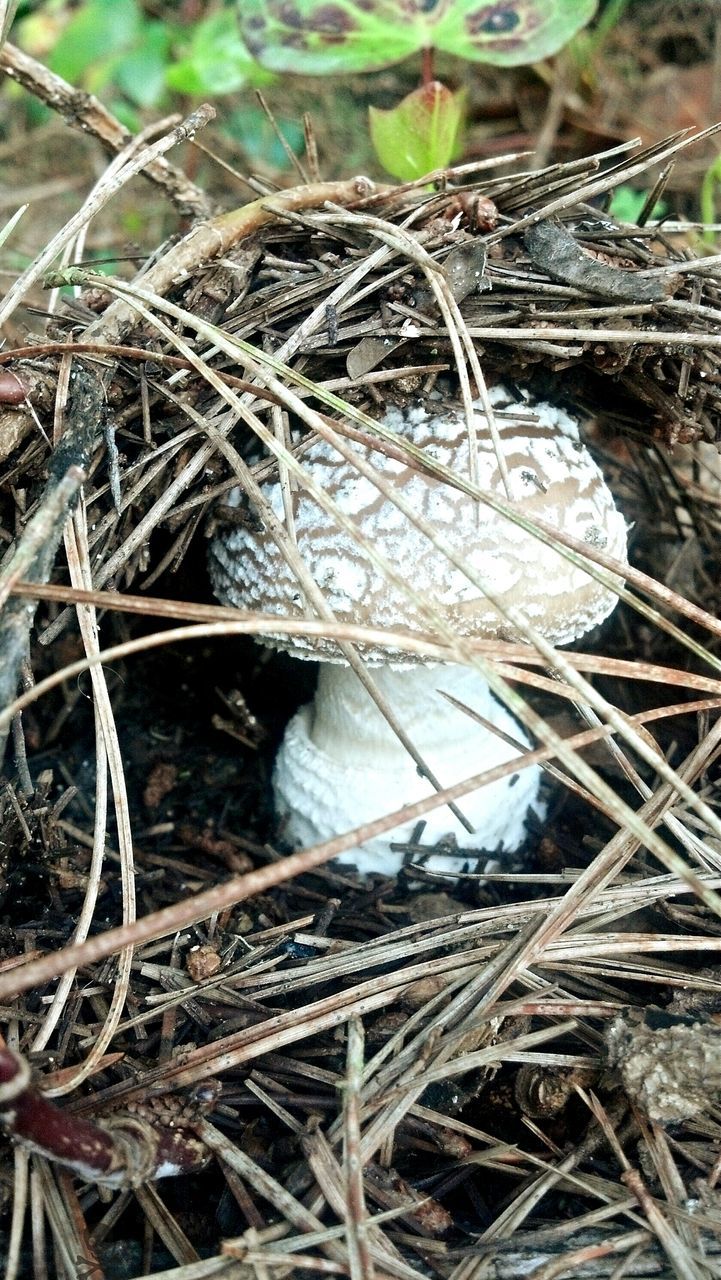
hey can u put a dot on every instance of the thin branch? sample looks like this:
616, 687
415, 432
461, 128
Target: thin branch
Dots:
124, 1150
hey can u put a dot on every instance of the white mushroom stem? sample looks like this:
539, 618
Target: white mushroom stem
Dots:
340, 765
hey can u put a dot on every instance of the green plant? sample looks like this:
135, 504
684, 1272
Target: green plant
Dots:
115, 49
707, 199
313, 37
135, 62
627, 204
587, 45
421, 133
213, 59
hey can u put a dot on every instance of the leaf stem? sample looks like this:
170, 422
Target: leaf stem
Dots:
427, 66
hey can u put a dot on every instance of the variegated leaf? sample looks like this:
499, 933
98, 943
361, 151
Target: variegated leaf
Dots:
323, 37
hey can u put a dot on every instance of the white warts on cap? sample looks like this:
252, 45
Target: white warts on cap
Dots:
553, 478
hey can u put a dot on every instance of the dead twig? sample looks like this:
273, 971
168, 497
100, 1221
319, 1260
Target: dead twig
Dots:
85, 112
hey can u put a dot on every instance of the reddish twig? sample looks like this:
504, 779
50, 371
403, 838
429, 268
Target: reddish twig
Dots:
119, 1151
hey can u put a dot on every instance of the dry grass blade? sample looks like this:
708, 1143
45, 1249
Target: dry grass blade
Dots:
361, 1264
20, 1204
109, 759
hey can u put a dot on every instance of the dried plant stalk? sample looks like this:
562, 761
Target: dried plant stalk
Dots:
123, 1150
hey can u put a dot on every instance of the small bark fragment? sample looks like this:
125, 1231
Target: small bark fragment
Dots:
551, 247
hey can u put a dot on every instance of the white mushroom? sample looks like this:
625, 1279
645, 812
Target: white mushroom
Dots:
340, 765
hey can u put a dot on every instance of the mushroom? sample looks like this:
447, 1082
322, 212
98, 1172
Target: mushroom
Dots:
340, 764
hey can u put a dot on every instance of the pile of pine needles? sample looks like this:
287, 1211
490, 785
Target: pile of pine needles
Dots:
389, 1082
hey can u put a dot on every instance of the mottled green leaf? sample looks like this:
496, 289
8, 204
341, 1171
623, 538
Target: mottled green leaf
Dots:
322, 37
215, 60
418, 135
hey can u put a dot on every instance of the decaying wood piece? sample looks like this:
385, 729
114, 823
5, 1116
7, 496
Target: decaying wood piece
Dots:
552, 247
670, 1065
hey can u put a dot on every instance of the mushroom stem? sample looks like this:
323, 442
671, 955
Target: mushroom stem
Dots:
341, 765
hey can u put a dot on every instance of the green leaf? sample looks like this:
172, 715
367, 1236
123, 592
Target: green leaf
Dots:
249, 127
324, 37
419, 135
627, 204
216, 60
99, 30
140, 73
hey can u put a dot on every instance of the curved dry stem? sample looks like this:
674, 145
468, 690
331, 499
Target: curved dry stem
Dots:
215, 236
109, 760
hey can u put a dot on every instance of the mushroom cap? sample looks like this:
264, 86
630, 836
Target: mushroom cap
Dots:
553, 478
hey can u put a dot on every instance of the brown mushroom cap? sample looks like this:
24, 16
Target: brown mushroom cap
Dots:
552, 476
